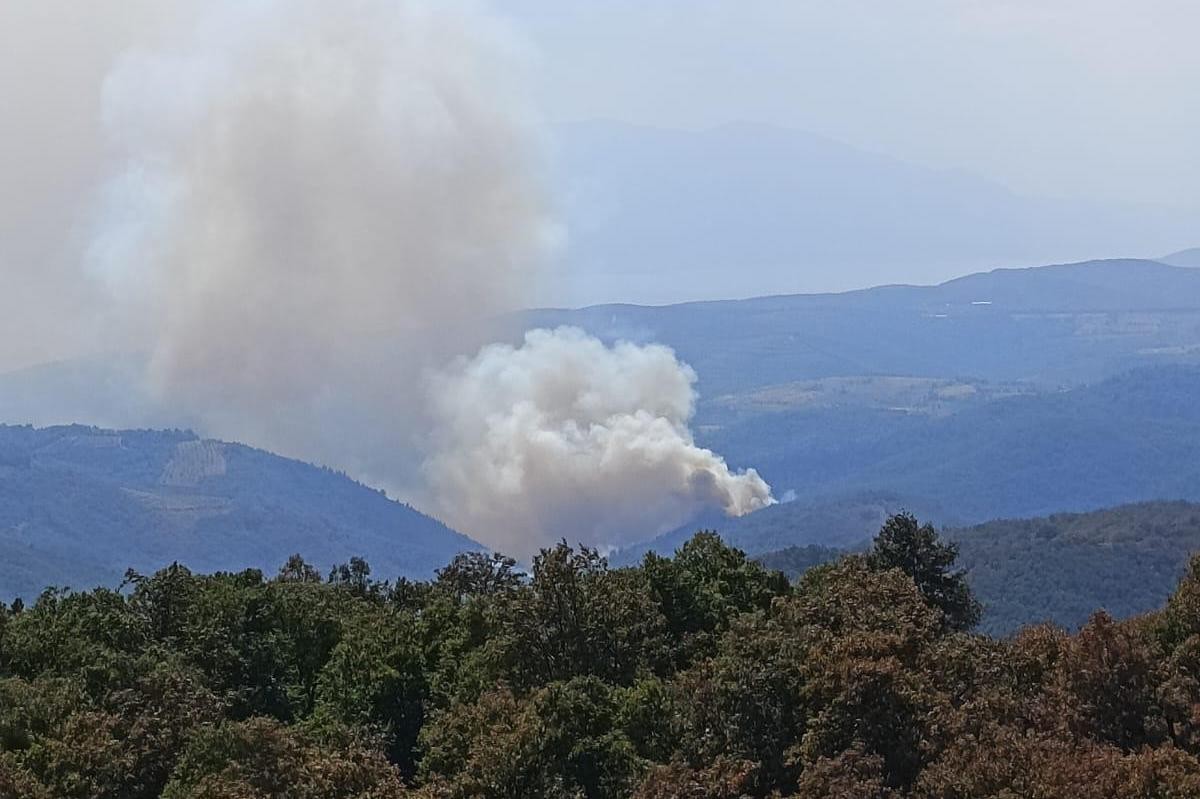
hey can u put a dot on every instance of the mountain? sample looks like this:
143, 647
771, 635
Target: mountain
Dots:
1015, 392
1045, 327
1051, 325
1061, 568
1129, 438
659, 215
79, 505
844, 468
1187, 258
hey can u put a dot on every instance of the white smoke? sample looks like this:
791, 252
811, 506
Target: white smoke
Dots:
314, 201
295, 209
564, 437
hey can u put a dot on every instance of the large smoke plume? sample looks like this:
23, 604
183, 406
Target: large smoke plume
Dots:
315, 201
564, 435
298, 211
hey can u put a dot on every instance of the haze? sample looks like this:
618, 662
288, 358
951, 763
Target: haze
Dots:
1051, 132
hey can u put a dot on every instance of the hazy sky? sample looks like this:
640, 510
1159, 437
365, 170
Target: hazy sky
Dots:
1063, 98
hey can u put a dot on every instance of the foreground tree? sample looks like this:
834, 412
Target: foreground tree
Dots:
915, 549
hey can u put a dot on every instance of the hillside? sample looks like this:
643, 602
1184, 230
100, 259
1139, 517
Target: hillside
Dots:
1060, 568
842, 469
1038, 328
1126, 560
80, 505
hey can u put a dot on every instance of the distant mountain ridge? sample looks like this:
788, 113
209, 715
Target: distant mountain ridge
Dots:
79, 505
1058, 324
1054, 325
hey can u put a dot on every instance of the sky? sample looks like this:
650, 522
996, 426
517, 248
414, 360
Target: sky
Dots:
1056, 98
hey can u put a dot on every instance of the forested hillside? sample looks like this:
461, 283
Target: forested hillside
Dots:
80, 505
1129, 438
1006, 394
1060, 568
701, 675
1064, 567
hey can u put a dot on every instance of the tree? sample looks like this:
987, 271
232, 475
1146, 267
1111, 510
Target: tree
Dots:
355, 577
577, 617
562, 740
1108, 681
864, 635
297, 570
262, 759
704, 587
915, 549
375, 678
479, 574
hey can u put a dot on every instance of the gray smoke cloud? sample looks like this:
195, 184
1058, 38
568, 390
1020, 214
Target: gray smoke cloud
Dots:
565, 437
298, 212
316, 201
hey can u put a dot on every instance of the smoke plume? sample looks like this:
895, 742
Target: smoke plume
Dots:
292, 212
564, 437
315, 201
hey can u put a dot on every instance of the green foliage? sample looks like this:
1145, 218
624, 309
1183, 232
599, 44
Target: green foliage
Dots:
1061, 568
261, 759
699, 676
561, 740
905, 544
375, 677
576, 617
479, 574
706, 583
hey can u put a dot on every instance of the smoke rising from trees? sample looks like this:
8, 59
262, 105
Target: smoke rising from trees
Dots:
564, 435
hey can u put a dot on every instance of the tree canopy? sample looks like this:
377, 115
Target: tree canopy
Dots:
699, 675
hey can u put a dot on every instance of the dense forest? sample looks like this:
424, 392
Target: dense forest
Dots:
700, 675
